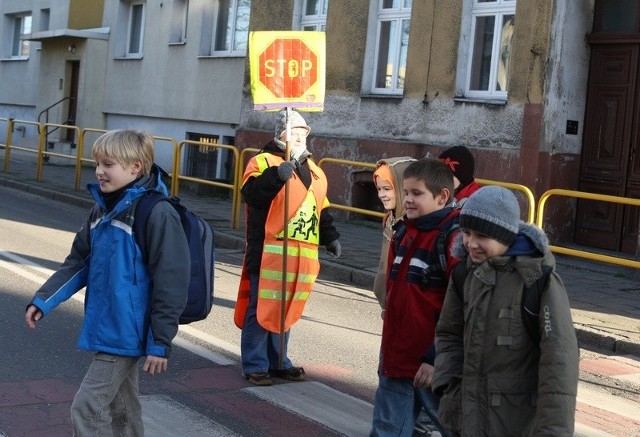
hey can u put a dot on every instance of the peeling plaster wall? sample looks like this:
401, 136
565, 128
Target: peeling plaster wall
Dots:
565, 99
442, 123
522, 141
567, 73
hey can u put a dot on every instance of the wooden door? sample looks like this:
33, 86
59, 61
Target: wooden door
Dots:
611, 138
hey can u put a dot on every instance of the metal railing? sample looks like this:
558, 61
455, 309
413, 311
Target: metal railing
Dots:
534, 211
590, 196
43, 142
11, 123
80, 159
45, 112
349, 163
235, 201
239, 172
516, 187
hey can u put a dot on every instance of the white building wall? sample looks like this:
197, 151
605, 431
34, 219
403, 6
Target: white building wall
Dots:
171, 81
566, 94
19, 83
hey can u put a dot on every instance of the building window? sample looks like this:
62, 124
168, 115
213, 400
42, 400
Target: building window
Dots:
21, 26
44, 19
135, 32
314, 15
392, 41
489, 58
179, 21
231, 27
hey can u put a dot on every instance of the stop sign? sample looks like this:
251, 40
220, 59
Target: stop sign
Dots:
288, 68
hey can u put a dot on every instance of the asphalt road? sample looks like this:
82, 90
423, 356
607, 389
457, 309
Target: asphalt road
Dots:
203, 393
336, 341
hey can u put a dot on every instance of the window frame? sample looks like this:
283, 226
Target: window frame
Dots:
498, 9
314, 22
128, 52
179, 22
394, 15
45, 19
20, 49
231, 40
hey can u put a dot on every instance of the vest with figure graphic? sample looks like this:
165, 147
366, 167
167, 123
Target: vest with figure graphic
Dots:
304, 208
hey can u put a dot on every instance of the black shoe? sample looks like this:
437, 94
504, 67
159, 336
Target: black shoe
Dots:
259, 378
291, 374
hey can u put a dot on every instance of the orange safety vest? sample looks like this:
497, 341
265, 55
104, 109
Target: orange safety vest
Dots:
302, 253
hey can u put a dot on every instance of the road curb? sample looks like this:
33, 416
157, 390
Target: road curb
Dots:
591, 338
332, 268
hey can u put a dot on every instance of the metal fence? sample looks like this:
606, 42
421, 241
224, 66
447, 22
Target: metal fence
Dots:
239, 157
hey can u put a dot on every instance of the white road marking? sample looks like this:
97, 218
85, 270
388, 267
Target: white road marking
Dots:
331, 408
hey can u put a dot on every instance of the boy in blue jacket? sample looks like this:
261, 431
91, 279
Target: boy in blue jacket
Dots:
132, 308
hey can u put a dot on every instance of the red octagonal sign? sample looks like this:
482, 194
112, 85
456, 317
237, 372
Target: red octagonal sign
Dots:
288, 68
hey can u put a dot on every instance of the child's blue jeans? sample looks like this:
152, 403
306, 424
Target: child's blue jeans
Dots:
397, 406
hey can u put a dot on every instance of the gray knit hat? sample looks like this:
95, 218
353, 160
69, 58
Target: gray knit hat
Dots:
493, 211
295, 120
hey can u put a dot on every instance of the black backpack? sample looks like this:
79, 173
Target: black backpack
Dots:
200, 237
529, 303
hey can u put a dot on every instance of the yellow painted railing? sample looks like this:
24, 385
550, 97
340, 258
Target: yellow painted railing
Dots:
590, 196
349, 163
235, 198
11, 124
534, 211
516, 187
239, 172
42, 145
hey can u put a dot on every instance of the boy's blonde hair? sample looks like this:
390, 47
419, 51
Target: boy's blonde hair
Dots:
126, 146
435, 174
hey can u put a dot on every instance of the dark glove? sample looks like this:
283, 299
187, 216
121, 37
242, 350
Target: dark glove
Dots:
334, 248
285, 170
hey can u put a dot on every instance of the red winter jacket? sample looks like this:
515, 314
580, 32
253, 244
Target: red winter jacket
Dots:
416, 286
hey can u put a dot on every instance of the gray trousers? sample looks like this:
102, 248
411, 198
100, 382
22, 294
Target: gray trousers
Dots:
107, 402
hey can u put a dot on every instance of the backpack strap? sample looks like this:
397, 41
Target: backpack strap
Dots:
444, 235
442, 242
458, 276
145, 204
530, 304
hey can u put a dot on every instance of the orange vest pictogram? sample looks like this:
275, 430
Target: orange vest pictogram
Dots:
303, 266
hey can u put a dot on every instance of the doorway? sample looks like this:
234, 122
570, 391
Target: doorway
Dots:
610, 162
73, 73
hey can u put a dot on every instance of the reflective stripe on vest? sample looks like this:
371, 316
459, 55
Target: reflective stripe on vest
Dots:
302, 256
302, 270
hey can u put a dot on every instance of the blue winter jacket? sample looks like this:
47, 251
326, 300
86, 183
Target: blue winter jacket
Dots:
131, 308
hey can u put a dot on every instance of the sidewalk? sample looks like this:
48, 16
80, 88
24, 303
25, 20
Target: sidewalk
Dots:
605, 299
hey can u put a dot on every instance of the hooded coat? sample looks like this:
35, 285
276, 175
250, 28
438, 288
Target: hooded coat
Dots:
131, 307
492, 378
396, 168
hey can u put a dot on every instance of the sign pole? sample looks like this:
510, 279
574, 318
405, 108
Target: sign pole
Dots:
285, 240
287, 69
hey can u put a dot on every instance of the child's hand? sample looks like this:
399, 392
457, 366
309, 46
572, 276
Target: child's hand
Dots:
423, 376
32, 315
153, 365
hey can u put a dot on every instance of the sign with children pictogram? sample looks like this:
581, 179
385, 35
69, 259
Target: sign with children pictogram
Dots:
287, 70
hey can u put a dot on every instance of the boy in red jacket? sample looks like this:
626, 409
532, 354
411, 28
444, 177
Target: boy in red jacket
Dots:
416, 285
